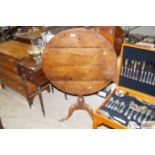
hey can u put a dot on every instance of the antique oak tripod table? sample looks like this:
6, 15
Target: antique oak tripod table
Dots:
79, 62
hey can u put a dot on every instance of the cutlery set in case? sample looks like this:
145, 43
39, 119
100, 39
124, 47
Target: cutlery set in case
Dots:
132, 103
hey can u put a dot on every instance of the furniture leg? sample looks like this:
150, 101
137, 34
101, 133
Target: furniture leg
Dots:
41, 100
48, 89
52, 89
66, 96
30, 101
80, 105
2, 85
1, 124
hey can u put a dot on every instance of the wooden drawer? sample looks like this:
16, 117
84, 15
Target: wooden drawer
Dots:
8, 63
8, 74
19, 87
15, 82
36, 77
15, 86
41, 78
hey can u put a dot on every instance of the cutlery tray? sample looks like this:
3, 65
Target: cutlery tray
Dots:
132, 103
125, 113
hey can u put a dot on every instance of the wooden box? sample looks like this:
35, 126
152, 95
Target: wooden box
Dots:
132, 103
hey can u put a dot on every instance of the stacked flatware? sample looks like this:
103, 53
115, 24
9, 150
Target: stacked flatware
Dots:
141, 71
131, 111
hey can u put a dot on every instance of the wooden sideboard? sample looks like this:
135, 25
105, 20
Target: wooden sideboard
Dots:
10, 53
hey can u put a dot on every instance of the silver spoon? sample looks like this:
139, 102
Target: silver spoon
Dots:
110, 102
128, 110
143, 111
149, 111
114, 107
137, 109
119, 107
132, 107
122, 108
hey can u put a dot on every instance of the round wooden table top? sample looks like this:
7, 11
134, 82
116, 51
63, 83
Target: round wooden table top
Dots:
79, 61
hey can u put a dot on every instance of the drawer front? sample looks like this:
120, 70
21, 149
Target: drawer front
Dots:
37, 77
11, 75
8, 63
15, 82
19, 87
29, 74
41, 78
13, 85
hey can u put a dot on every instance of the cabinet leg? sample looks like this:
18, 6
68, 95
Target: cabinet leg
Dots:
30, 102
66, 96
41, 100
52, 88
1, 125
48, 89
2, 85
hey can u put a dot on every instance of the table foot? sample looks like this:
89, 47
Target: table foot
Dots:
80, 105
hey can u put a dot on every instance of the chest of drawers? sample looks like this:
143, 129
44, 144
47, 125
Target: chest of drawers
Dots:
10, 53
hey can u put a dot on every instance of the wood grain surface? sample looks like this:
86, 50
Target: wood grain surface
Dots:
79, 61
14, 49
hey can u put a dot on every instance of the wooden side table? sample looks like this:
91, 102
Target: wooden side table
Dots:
32, 72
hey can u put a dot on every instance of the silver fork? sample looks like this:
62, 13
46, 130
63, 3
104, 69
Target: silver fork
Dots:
142, 71
125, 67
137, 71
